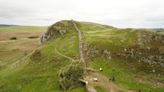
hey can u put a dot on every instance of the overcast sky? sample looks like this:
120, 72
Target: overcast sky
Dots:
118, 13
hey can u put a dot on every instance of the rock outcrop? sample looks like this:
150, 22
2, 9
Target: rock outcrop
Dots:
150, 38
59, 28
148, 53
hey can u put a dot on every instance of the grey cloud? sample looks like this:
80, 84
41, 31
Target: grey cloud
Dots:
119, 13
14, 12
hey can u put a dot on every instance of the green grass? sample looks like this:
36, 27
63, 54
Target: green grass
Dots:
111, 39
99, 89
123, 75
22, 28
41, 74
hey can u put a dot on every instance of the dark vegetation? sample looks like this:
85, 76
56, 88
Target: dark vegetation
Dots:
33, 37
69, 76
13, 38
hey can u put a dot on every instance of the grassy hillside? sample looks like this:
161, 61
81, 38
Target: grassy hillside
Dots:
14, 50
106, 47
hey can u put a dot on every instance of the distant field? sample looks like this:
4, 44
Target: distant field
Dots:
22, 28
8, 32
26, 40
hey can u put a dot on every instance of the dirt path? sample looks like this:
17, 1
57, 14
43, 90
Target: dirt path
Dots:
7, 41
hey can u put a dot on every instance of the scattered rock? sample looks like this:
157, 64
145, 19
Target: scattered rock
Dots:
95, 79
100, 69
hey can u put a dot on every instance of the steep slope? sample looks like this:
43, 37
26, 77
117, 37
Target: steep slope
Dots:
116, 51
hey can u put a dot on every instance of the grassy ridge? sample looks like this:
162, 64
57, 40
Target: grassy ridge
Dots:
40, 74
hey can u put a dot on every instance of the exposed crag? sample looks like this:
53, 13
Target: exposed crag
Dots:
59, 28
